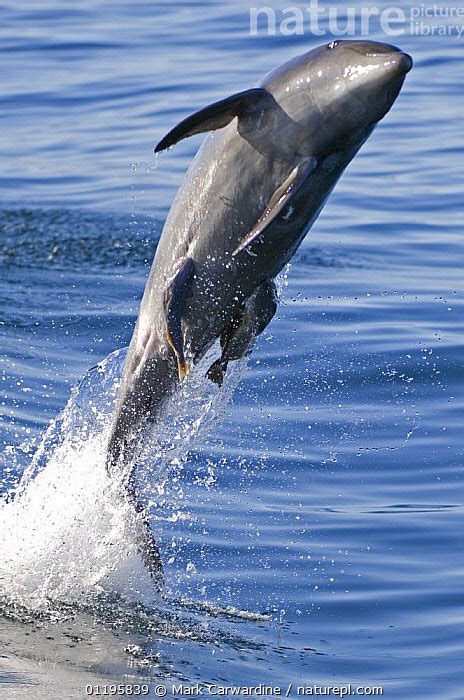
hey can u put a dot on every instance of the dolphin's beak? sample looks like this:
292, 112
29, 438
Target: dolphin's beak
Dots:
406, 62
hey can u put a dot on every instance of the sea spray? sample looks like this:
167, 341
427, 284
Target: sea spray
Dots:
68, 530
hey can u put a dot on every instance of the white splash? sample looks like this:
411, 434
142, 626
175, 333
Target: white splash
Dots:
69, 532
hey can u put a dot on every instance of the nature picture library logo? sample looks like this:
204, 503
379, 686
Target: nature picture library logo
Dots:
325, 19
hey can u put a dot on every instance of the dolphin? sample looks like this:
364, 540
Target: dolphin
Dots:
254, 189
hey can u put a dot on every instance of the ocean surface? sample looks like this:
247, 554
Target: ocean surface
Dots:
310, 513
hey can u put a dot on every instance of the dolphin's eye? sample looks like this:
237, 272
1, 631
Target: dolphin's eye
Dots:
332, 45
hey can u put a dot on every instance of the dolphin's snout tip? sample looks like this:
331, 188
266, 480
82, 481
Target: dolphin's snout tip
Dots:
406, 62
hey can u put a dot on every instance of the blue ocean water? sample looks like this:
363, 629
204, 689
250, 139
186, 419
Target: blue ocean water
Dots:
326, 498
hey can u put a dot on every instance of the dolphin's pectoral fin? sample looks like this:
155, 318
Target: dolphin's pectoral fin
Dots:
174, 302
280, 202
238, 337
219, 114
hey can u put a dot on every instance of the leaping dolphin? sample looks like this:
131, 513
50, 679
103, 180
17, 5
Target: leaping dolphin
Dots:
254, 189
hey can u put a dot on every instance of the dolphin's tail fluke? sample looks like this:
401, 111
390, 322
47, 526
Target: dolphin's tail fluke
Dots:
146, 384
147, 546
120, 466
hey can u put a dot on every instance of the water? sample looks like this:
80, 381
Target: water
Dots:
311, 532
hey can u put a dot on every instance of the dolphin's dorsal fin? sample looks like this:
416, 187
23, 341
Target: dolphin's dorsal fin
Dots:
218, 114
174, 301
280, 200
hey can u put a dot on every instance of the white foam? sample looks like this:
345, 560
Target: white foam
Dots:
69, 532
